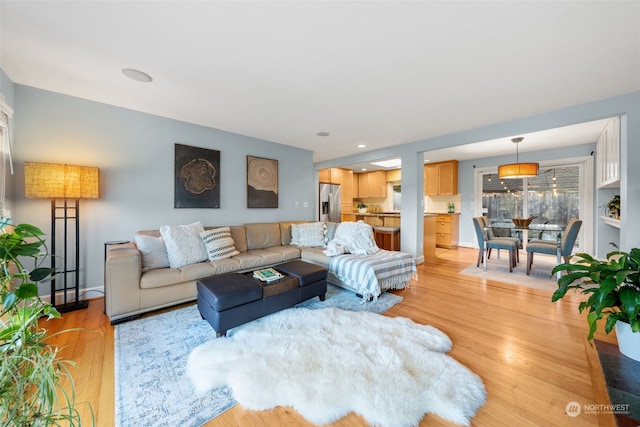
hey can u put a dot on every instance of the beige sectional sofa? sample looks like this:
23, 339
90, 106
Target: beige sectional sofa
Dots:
131, 289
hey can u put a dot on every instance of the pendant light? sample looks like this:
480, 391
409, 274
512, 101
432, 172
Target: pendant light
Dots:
517, 169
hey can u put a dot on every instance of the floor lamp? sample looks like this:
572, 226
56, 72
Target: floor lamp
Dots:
65, 185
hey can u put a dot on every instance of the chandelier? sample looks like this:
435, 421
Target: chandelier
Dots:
517, 169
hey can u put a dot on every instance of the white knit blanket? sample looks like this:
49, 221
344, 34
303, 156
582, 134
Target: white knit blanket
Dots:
373, 274
352, 238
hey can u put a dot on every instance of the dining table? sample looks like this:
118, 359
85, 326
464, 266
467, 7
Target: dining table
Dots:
554, 230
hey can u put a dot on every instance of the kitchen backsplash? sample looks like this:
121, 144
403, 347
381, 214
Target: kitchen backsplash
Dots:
439, 204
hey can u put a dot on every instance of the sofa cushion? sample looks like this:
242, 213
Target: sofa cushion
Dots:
285, 231
315, 255
171, 276
331, 230
184, 245
310, 234
263, 235
248, 260
239, 235
219, 243
153, 250
286, 252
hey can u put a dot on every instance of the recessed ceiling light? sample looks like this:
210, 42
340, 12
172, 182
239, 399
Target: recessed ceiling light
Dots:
427, 160
137, 75
361, 146
363, 169
323, 134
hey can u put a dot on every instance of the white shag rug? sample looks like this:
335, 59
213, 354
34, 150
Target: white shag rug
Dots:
327, 363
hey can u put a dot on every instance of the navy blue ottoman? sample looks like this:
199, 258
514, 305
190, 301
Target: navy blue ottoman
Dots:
230, 300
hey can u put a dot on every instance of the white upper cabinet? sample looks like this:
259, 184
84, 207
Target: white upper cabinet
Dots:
609, 155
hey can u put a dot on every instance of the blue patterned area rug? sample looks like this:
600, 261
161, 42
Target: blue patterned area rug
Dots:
151, 355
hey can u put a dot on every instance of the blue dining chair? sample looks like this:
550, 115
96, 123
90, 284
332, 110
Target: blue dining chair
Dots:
491, 236
486, 244
565, 248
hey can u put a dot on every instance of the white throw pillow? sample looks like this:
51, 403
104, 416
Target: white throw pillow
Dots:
309, 234
219, 243
184, 245
153, 250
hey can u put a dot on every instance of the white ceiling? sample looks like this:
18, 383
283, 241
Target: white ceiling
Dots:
378, 73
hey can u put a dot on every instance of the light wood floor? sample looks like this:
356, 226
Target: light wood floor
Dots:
531, 353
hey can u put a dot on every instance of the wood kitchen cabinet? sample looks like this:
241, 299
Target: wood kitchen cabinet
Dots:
372, 184
346, 191
447, 230
330, 176
394, 175
441, 179
429, 237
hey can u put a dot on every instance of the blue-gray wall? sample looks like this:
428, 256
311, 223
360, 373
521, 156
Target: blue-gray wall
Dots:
135, 154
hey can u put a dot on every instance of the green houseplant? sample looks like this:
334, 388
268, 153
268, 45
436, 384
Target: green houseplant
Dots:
613, 206
613, 290
362, 207
31, 373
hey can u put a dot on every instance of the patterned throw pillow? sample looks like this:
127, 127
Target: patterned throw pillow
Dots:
219, 243
153, 250
184, 245
310, 234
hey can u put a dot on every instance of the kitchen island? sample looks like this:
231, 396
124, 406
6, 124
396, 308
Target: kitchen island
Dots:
392, 219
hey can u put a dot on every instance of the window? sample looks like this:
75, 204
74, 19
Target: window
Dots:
6, 165
559, 192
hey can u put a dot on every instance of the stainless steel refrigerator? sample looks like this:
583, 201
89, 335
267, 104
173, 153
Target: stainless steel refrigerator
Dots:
330, 209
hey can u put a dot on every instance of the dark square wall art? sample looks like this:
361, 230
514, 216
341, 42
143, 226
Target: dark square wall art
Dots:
197, 177
262, 182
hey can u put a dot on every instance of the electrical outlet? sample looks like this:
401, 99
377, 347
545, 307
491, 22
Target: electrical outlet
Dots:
297, 204
305, 204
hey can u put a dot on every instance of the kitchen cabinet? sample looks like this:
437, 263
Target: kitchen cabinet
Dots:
372, 185
447, 230
346, 191
429, 237
441, 179
608, 147
356, 190
330, 176
394, 175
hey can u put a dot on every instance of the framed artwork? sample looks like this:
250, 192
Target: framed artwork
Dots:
197, 177
262, 182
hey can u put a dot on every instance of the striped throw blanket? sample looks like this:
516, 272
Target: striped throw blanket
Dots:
373, 274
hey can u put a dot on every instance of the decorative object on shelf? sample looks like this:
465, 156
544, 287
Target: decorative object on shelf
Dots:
196, 177
362, 208
613, 207
262, 182
451, 208
65, 185
517, 169
32, 371
523, 222
613, 290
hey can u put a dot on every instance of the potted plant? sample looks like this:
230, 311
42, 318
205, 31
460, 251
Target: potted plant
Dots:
362, 208
31, 373
612, 207
613, 290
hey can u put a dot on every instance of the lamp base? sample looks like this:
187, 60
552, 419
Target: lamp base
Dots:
72, 306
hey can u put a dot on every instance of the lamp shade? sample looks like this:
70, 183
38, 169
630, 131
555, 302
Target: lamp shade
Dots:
61, 181
518, 170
